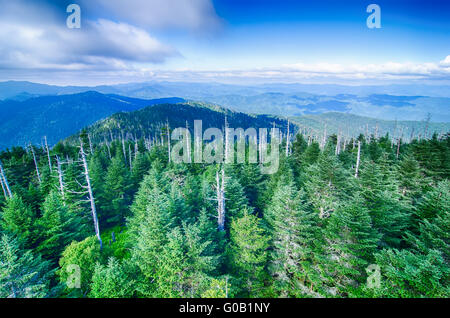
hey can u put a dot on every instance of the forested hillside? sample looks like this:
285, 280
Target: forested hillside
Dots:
151, 122
110, 216
57, 117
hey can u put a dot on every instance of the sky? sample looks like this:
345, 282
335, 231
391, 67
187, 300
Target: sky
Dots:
230, 41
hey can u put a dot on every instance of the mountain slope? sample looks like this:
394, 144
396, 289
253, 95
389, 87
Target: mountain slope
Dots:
150, 121
60, 116
353, 125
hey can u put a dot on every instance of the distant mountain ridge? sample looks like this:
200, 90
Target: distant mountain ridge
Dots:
388, 102
60, 116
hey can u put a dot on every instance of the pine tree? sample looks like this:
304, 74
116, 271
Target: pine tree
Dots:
111, 281
18, 219
85, 255
327, 183
22, 275
351, 242
405, 274
182, 266
295, 240
433, 220
116, 191
390, 214
58, 227
248, 253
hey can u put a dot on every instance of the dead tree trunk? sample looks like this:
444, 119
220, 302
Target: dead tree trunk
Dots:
48, 154
398, 147
108, 147
188, 142
220, 193
358, 159
5, 183
61, 179
287, 139
90, 193
3, 188
129, 156
123, 148
338, 144
35, 164
168, 140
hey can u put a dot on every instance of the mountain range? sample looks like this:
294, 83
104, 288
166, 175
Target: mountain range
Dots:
57, 117
31, 111
388, 102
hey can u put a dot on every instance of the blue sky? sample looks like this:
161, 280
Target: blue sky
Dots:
225, 41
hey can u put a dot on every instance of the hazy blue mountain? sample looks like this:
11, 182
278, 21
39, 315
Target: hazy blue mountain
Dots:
60, 116
353, 125
151, 121
387, 102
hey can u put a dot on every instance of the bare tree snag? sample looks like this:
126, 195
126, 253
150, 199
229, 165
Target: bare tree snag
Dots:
5, 185
60, 179
35, 164
358, 159
3, 188
220, 197
90, 193
168, 141
48, 154
287, 139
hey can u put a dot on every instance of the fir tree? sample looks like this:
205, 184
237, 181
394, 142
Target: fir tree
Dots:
22, 275
248, 253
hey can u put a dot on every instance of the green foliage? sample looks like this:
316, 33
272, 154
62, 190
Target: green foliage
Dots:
85, 255
312, 229
58, 227
296, 238
22, 274
18, 219
111, 281
248, 253
409, 275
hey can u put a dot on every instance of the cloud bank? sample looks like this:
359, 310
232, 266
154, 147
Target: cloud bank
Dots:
34, 36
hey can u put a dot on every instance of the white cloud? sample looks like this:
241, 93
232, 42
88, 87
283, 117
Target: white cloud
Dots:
446, 61
27, 42
196, 15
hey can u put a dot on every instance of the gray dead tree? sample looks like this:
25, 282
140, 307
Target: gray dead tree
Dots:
3, 188
358, 159
60, 179
188, 142
35, 164
130, 156
123, 147
338, 144
220, 197
287, 140
48, 153
168, 140
90, 193
4, 182
108, 147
